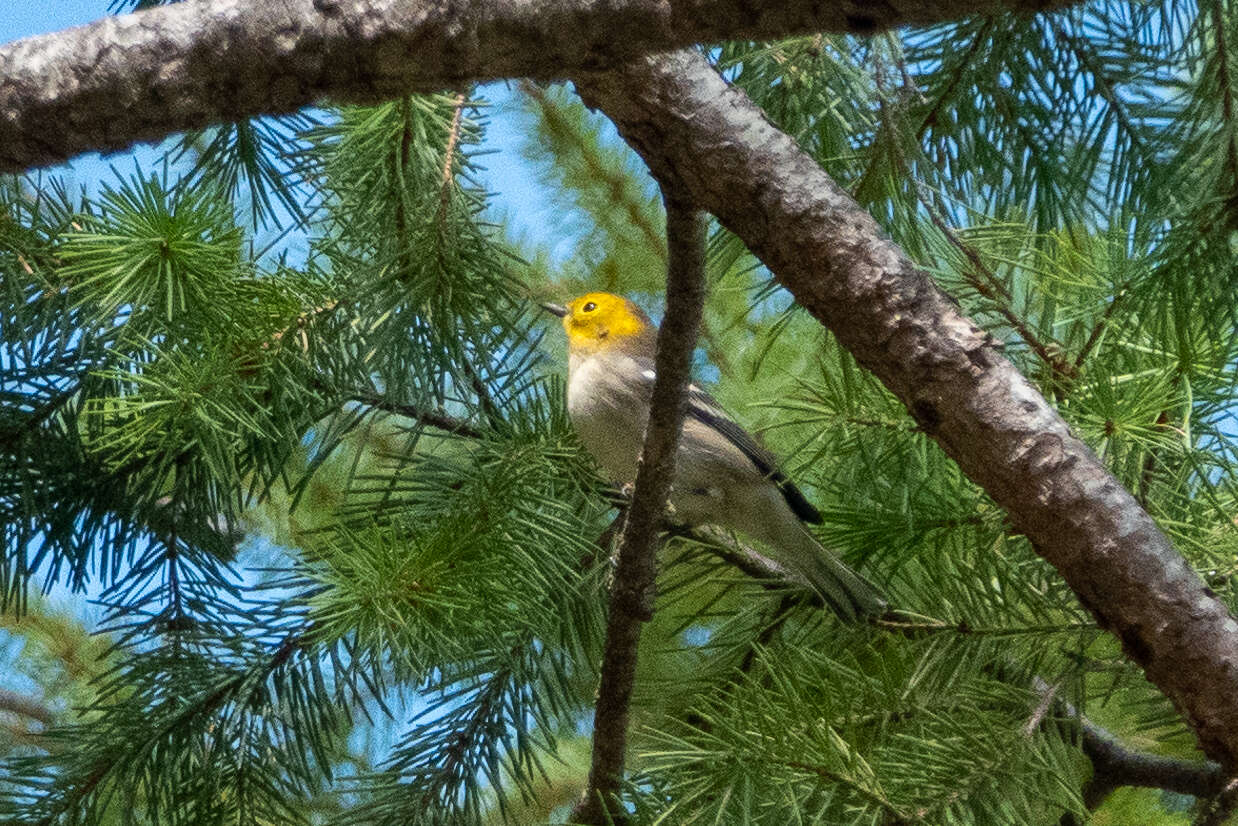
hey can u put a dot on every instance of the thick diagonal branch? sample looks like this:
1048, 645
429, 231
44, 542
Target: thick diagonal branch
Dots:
141, 76
692, 128
631, 593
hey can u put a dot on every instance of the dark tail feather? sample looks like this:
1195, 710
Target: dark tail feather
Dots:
852, 597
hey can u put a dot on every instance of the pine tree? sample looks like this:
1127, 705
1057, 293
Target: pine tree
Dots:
282, 403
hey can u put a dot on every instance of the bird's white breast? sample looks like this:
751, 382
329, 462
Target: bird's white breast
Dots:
608, 411
608, 402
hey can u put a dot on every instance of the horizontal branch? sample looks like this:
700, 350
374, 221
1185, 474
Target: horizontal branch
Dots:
193, 709
142, 76
430, 418
691, 127
1114, 765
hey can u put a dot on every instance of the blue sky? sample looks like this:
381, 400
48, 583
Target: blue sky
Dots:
21, 19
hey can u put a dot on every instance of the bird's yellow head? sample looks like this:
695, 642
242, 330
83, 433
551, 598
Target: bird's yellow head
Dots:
600, 321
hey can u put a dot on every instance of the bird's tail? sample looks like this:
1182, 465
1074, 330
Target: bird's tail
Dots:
852, 597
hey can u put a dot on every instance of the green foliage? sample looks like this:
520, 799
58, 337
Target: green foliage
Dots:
152, 251
245, 158
282, 408
848, 757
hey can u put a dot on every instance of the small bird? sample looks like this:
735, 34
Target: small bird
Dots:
722, 476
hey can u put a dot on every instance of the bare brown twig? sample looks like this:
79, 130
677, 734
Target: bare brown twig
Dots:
449, 158
630, 601
984, 281
24, 706
432, 418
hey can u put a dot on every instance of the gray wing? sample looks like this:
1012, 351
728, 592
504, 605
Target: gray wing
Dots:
703, 408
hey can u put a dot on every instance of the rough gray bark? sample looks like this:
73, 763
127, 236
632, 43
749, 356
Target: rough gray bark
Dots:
631, 593
692, 129
141, 76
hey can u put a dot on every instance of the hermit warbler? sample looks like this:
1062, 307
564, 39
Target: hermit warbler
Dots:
722, 476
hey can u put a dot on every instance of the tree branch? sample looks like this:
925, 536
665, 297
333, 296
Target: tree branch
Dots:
1114, 766
747, 559
141, 76
1226, 82
631, 593
692, 128
24, 706
452, 760
985, 281
431, 418
194, 709
1221, 809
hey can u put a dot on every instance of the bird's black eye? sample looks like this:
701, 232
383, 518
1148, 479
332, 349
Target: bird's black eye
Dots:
589, 307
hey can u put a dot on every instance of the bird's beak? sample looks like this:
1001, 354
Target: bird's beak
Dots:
554, 309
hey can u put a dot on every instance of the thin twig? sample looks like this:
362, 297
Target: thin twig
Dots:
24, 706
984, 281
1104, 87
402, 160
1147, 475
1047, 696
895, 816
463, 742
485, 400
1228, 105
1099, 327
447, 178
37, 417
630, 602
432, 418
602, 545
930, 117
